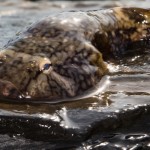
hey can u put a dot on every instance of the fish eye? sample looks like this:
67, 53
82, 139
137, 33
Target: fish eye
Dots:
46, 66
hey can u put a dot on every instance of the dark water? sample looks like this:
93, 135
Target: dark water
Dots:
118, 118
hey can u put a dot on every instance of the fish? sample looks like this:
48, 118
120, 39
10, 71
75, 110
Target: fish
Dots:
64, 55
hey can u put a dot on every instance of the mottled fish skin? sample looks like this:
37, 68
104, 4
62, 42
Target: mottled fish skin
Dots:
62, 55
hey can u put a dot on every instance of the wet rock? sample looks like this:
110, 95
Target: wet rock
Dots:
65, 122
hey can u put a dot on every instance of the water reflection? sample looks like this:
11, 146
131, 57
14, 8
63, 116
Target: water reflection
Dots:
93, 102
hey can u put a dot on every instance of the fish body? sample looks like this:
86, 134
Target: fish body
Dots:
62, 56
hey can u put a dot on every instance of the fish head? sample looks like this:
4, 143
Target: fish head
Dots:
49, 63
46, 78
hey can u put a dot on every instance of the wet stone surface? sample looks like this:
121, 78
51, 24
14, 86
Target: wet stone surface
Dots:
116, 119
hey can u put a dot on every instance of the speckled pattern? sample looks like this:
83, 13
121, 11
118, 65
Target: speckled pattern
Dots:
62, 55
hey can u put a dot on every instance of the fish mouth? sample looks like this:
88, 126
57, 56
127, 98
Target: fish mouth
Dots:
9, 90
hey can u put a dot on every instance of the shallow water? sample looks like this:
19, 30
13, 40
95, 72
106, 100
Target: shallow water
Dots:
118, 118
